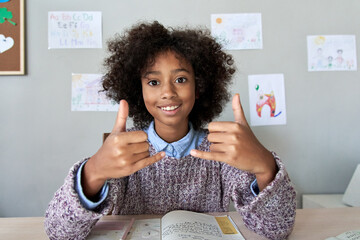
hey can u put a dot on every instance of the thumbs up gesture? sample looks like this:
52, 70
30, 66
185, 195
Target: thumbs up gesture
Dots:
235, 144
122, 154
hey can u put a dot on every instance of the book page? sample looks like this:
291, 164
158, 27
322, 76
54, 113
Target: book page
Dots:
110, 230
180, 225
349, 235
148, 229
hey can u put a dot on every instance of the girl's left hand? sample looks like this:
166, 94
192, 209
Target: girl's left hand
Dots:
235, 144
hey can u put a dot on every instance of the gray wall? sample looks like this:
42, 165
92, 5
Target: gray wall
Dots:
40, 138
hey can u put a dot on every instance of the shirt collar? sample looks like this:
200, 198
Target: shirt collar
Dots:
175, 149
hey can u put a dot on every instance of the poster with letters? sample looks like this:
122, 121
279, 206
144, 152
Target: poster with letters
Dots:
74, 30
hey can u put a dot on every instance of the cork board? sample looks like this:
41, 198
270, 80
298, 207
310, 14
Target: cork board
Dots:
12, 50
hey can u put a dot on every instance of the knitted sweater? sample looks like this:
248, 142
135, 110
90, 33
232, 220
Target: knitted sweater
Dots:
188, 183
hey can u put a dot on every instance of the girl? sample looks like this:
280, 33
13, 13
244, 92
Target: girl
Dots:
174, 81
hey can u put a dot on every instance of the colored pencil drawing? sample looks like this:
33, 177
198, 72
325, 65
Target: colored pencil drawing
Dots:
86, 95
237, 31
331, 53
267, 99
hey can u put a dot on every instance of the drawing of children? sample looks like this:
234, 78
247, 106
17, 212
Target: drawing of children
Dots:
339, 59
330, 62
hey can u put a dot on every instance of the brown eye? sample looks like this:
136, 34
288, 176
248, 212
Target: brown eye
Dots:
153, 83
181, 80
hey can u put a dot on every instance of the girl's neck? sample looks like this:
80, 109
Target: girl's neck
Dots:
171, 133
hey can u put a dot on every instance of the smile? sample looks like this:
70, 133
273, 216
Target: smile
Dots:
170, 108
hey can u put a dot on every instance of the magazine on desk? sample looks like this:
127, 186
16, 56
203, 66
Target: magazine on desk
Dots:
182, 225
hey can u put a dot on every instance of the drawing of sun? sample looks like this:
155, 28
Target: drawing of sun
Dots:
319, 40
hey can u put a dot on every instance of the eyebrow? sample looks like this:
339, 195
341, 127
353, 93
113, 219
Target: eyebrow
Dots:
172, 71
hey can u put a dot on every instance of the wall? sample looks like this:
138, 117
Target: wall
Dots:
40, 138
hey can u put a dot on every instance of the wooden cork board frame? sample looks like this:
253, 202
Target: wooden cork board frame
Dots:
12, 39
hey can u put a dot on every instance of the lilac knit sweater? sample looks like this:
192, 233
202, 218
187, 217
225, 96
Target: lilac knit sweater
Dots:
188, 183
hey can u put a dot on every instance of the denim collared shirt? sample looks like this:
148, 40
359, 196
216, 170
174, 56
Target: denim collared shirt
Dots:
179, 148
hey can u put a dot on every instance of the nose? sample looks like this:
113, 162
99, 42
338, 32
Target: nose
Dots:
168, 91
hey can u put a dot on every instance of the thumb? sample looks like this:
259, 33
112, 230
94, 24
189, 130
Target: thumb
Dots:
123, 113
238, 110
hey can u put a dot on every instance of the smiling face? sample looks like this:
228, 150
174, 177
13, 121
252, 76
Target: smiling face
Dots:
168, 88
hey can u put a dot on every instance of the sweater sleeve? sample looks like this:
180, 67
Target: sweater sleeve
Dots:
67, 218
272, 212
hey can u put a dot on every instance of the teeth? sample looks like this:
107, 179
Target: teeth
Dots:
169, 108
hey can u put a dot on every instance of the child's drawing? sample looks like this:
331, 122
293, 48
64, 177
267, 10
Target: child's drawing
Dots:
237, 31
267, 99
86, 95
331, 53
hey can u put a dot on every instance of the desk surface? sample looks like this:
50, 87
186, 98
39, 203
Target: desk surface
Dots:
309, 224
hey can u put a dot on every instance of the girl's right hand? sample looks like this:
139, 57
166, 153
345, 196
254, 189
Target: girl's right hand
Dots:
122, 154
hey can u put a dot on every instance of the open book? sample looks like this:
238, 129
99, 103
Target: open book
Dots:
174, 225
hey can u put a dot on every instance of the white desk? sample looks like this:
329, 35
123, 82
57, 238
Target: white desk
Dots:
309, 224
